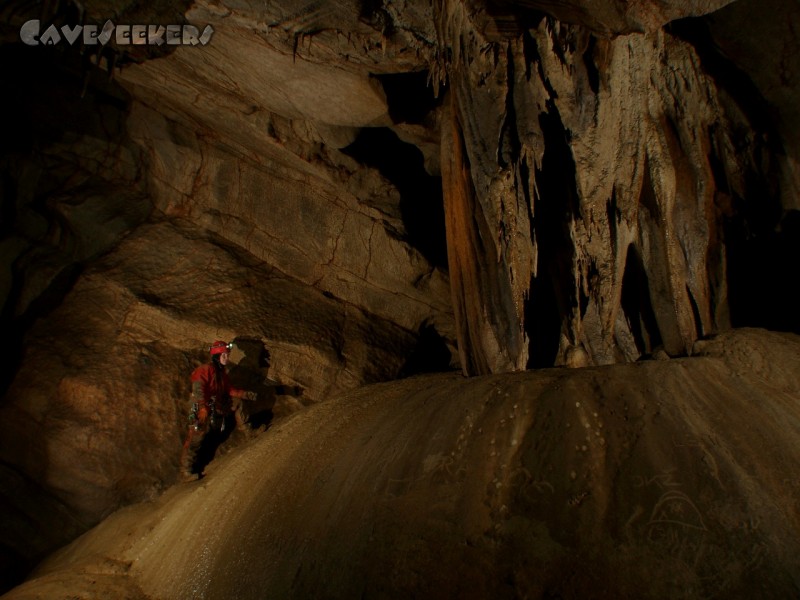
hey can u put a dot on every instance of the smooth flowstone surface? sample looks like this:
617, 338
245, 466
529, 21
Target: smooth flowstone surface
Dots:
673, 478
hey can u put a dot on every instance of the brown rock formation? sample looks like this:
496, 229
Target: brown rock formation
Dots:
257, 229
101, 394
600, 173
614, 17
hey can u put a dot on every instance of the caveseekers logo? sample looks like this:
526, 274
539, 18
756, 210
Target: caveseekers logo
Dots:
124, 35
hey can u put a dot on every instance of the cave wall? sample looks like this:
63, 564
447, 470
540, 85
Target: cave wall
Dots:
589, 184
368, 190
139, 224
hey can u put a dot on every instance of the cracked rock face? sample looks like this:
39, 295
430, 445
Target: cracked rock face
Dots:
368, 190
105, 415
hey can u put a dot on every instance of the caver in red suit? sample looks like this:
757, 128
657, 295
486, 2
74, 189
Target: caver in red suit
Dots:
214, 411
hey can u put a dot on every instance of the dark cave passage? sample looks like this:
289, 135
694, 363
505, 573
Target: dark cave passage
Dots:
762, 241
542, 323
636, 304
421, 204
43, 190
552, 293
430, 355
409, 95
763, 271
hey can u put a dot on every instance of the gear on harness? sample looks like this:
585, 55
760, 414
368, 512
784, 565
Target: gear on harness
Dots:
212, 412
194, 419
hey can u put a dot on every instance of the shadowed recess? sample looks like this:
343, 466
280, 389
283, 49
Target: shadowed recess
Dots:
763, 271
552, 292
636, 304
430, 355
409, 95
420, 193
37, 180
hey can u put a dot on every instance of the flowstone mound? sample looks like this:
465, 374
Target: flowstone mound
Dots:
658, 479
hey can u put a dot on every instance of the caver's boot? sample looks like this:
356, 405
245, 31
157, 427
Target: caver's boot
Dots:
186, 476
187, 471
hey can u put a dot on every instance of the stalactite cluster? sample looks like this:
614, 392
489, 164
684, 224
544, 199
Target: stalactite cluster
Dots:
600, 174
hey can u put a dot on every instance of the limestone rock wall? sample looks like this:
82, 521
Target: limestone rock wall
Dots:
144, 219
294, 216
96, 414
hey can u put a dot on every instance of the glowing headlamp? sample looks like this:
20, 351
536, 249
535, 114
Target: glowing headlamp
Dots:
220, 347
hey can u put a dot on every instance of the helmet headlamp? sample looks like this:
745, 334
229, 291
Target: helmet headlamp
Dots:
220, 347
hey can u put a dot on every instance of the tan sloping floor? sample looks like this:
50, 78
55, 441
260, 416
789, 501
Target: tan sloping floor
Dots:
673, 479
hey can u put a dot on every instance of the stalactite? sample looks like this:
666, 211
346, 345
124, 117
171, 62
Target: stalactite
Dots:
635, 129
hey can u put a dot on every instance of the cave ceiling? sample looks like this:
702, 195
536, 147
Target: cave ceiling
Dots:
651, 102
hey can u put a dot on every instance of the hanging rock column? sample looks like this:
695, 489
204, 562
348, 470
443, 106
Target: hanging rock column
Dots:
586, 185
